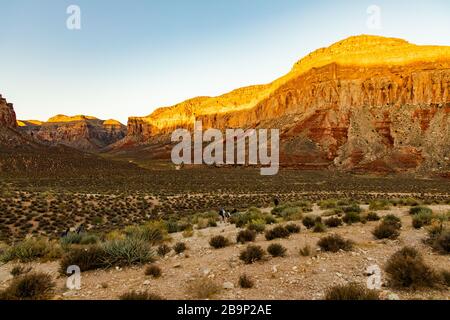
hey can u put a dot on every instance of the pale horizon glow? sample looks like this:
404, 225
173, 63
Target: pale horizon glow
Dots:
130, 58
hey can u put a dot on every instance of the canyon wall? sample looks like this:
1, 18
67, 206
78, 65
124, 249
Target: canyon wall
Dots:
7, 114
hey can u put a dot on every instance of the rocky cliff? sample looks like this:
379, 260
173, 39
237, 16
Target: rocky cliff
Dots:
85, 133
7, 114
366, 103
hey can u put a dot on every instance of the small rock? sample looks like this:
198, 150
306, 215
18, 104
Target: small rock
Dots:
147, 282
177, 265
206, 271
274, 269
228, 285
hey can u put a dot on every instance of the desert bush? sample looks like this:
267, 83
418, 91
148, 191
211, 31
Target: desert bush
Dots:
306, 251
392, 220
334, 243
441, 242
127, 252
203, 288
352, 208
292, 228
179, 247
252, 254
386, 231
153, 232
246, 282
309, 221
276, 250
244, 236
379, 205
351, 291
259, 226
373, 216
163, 249
351, 217
445, 277
407, 269
32, 286
327, 204
71, 238
218, 242
417, 210
88, 239
421, 219
31, 249
276, 233
319, 227
136, 295
333, 222
19, 270
153, 270
87, 259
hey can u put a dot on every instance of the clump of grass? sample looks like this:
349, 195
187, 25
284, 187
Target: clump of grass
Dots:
441, 242
136, 295
407, 269
218, 242
276, 233
306, 251
163, 250
32, 286
393, 220
386, 231
373, 216
422, 219
351, 217
418, 210
153, 270
276, 250
127, 252
245, 282
327, 204
334, 243
19, 270
203, 288
309, 221
293, 228
30, 250
252, 254
179, 247
445, 275
351, 291
333, 222
379, 205
86, 259
319, 227
259, 226
246, 236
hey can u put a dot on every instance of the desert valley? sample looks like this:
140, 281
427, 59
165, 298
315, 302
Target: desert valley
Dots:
363, 192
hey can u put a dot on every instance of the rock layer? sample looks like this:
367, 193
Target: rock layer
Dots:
366, 103
7, 114
81, 132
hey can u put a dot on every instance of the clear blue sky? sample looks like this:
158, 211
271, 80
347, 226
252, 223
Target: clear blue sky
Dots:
133, 56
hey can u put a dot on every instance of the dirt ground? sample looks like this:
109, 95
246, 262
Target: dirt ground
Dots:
293, 277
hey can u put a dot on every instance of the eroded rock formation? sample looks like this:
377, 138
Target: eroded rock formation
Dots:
7, 114
366, 103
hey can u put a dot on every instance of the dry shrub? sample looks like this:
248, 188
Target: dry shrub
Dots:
203, 288
219, 242
153, 270
136, 295
246, 282
179, 247
277, 232
351, 291
252, 254
334, 243
246, 236
276, 250
32, 286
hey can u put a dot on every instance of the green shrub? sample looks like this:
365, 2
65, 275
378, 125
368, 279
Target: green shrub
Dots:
406, 269
246, 236
351, 217
373, 216
309, 221
319, 227
88, 239
276, 250
333, 222
252, 254
153, 270
327, 204
71, 238
379, 205
135, 295
218, 242
292, 228
352, 208
386, 231
19, 270
32, 286
351, 291
259, 226
179, 247
334, 243
245, 282
87, 259
418, 210
127, 252
30, 250
392, 220
441, 243
421, 219
276, 233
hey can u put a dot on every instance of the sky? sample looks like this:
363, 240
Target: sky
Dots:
130, 57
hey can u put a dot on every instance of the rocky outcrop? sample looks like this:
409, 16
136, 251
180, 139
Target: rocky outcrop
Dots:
80, 132
366, 103
7, 114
